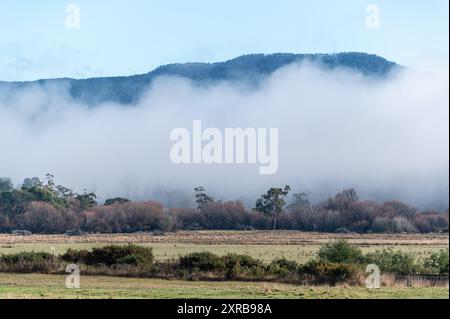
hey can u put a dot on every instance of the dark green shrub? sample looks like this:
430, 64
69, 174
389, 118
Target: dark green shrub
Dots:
26, 257
340, 251
75, 256
392, 261
437, 263
284, 265
240, 264
244, 261
112, 255
26, 262
330, 273
202, 261
231, 264
116, 255
283, 268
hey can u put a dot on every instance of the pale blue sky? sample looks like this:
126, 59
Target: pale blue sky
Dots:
118, 37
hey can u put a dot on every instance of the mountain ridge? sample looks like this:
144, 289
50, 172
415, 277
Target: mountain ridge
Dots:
249, 69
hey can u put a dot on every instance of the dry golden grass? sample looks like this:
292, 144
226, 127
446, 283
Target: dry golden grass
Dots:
238, 238
264, 245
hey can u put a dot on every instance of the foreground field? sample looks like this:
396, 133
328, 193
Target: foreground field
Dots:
52, 286
263, 245
267, 246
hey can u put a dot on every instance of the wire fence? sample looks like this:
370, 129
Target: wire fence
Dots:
415, 280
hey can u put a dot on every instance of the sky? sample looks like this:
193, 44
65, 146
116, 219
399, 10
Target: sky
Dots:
117, 37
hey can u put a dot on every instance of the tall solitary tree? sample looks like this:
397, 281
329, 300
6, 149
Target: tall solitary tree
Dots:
272, 203
201, 198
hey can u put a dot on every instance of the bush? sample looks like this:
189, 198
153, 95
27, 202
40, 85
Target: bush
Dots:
29, 262
203, 262
231, 265
242, 264
76, 256
244, 261
391, 261
112, 255
284, 268
283, 263
340, 251
437, 263
330, 273
31, 257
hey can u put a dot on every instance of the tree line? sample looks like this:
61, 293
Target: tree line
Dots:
43, 207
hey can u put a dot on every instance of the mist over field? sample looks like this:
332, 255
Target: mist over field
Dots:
388, 138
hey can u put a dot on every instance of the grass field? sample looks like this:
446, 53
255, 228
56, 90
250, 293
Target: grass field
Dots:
298, 246
267, 253
52, 286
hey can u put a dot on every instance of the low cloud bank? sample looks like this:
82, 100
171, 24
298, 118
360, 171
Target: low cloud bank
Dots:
337, 129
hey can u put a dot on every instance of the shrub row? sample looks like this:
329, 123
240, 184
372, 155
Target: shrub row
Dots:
335, 263
388, 260
30, 262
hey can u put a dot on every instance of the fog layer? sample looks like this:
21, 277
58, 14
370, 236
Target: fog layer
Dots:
337, 129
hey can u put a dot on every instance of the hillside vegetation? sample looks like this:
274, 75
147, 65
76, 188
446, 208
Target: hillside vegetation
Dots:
247, 70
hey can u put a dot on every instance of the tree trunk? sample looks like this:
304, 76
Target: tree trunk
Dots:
275, 222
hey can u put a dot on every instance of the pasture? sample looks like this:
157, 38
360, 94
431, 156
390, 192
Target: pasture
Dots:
34, 286
264, 245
